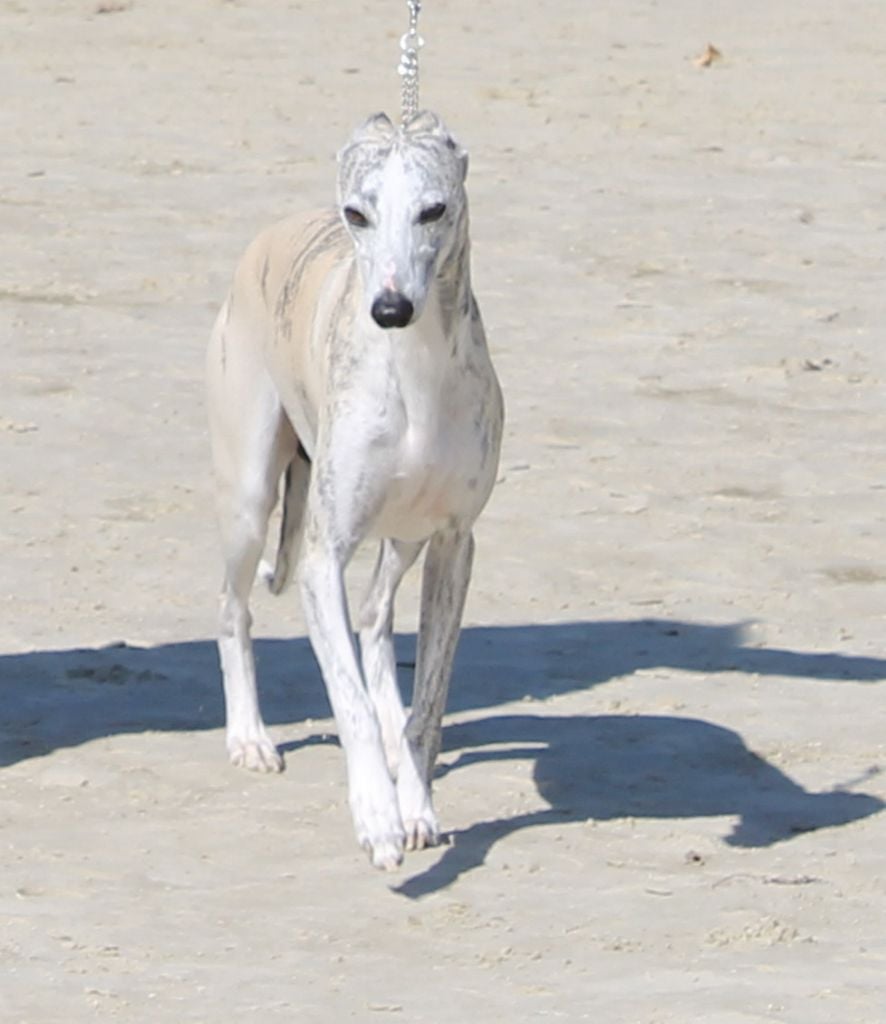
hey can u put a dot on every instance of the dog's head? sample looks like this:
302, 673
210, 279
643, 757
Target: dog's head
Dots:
401, 194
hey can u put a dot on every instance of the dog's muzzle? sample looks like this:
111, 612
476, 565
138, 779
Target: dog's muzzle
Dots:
391, 309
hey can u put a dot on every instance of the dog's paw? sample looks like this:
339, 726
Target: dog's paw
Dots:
378, 826
385, 854
258, 754
416, 809
384, 843
422, 832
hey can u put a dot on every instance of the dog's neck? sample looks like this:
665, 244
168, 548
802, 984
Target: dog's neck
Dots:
453, 280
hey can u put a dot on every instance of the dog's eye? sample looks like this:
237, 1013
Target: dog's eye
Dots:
432, 213
354, 217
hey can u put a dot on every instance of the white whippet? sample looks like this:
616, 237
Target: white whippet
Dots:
349, 360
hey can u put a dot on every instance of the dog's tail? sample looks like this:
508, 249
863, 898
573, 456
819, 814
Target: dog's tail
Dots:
295, 489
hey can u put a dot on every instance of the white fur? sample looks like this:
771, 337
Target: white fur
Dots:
402, 427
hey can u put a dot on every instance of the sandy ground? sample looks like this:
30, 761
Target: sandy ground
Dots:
663, 770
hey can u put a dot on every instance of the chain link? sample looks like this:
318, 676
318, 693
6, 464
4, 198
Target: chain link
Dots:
410, 43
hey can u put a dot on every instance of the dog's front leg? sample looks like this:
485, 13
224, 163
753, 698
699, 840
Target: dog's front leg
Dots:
377, 644
447, 572
372, 795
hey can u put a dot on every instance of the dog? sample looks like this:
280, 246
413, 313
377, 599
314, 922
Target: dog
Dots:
348, 369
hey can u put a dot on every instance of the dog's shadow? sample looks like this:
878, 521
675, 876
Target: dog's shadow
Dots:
584, 767
605, 767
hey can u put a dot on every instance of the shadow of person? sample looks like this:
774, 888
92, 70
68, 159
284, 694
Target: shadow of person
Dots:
640, 766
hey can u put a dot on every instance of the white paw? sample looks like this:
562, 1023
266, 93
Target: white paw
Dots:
257, 754
422, 832
378, 826
385, 854
384, 842
416, 809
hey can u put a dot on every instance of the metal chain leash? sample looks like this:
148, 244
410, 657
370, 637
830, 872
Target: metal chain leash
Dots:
410, 43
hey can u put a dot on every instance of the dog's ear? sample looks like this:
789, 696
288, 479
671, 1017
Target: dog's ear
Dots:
378, 128
376, 133
463, 159
426, 122
460, 154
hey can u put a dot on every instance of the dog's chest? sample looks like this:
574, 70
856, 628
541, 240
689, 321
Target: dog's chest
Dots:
441, 452
433, 482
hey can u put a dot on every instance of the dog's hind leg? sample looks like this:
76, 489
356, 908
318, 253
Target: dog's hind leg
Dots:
447, 572
376, 624
252, 443
295, 492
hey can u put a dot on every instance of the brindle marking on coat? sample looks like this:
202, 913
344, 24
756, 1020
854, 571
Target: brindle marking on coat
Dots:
350, 362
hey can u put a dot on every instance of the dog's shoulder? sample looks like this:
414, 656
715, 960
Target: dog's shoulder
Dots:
281, 256
305, 235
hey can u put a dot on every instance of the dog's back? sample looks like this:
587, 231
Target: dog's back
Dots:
294, 282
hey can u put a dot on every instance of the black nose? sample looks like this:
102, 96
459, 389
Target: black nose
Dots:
391, 309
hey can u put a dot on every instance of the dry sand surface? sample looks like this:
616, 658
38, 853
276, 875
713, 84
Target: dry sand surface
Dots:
662, 780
